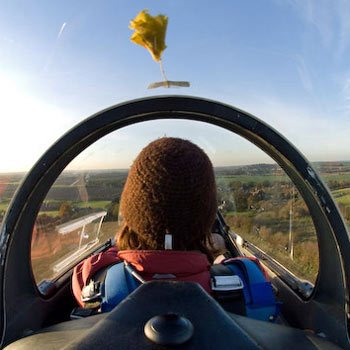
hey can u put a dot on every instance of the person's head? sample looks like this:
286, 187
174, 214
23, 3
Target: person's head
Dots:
170, 189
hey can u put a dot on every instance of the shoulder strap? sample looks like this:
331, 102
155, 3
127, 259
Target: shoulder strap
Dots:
258, 292
118, 284
91, 293
227, 288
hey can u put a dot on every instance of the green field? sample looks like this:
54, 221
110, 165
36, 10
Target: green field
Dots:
342, 195
3, 206
336, 177
341, 192
52, 213
343, 200
274, 178
93, 204
226, 179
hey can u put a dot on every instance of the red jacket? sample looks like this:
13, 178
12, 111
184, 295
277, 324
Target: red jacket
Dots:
189, 266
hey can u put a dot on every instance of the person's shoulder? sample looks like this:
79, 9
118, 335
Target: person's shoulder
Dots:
86, 269
98, 261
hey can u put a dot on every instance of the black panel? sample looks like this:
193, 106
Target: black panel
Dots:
123, 327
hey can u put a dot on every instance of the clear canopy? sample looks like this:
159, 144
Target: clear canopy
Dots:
287, 62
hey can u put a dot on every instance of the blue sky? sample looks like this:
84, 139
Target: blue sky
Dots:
285, 61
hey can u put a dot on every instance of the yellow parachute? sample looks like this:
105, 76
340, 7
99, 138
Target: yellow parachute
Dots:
150, 33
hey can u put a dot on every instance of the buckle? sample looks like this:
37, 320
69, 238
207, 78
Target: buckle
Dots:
91, 292
226, 283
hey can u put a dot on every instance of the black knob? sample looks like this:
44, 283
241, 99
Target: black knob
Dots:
168, 329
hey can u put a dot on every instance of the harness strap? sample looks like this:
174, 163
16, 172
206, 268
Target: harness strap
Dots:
231, 300
118, 284
259, 290
238, 284
91, 293
258, 293
109, 286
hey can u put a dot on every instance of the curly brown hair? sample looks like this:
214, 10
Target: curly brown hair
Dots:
170, 189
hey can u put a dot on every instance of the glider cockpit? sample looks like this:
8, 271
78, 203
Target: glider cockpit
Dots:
305, 249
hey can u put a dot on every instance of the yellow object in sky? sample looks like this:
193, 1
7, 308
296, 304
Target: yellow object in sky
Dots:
150, 33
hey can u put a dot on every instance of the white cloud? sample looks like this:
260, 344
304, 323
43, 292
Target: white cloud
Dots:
8, 39
53, 52
344, 26
330, 18
318, 136
304, 74
61, 30
319, 14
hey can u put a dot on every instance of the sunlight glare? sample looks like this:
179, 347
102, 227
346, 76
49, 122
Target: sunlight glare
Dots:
29, 126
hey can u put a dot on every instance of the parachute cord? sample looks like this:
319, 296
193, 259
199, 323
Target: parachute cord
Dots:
163, 72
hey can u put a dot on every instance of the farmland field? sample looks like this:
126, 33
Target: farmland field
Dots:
225, 179
93, 204
262, 205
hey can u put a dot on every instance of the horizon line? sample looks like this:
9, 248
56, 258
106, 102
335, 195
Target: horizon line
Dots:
127, 169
